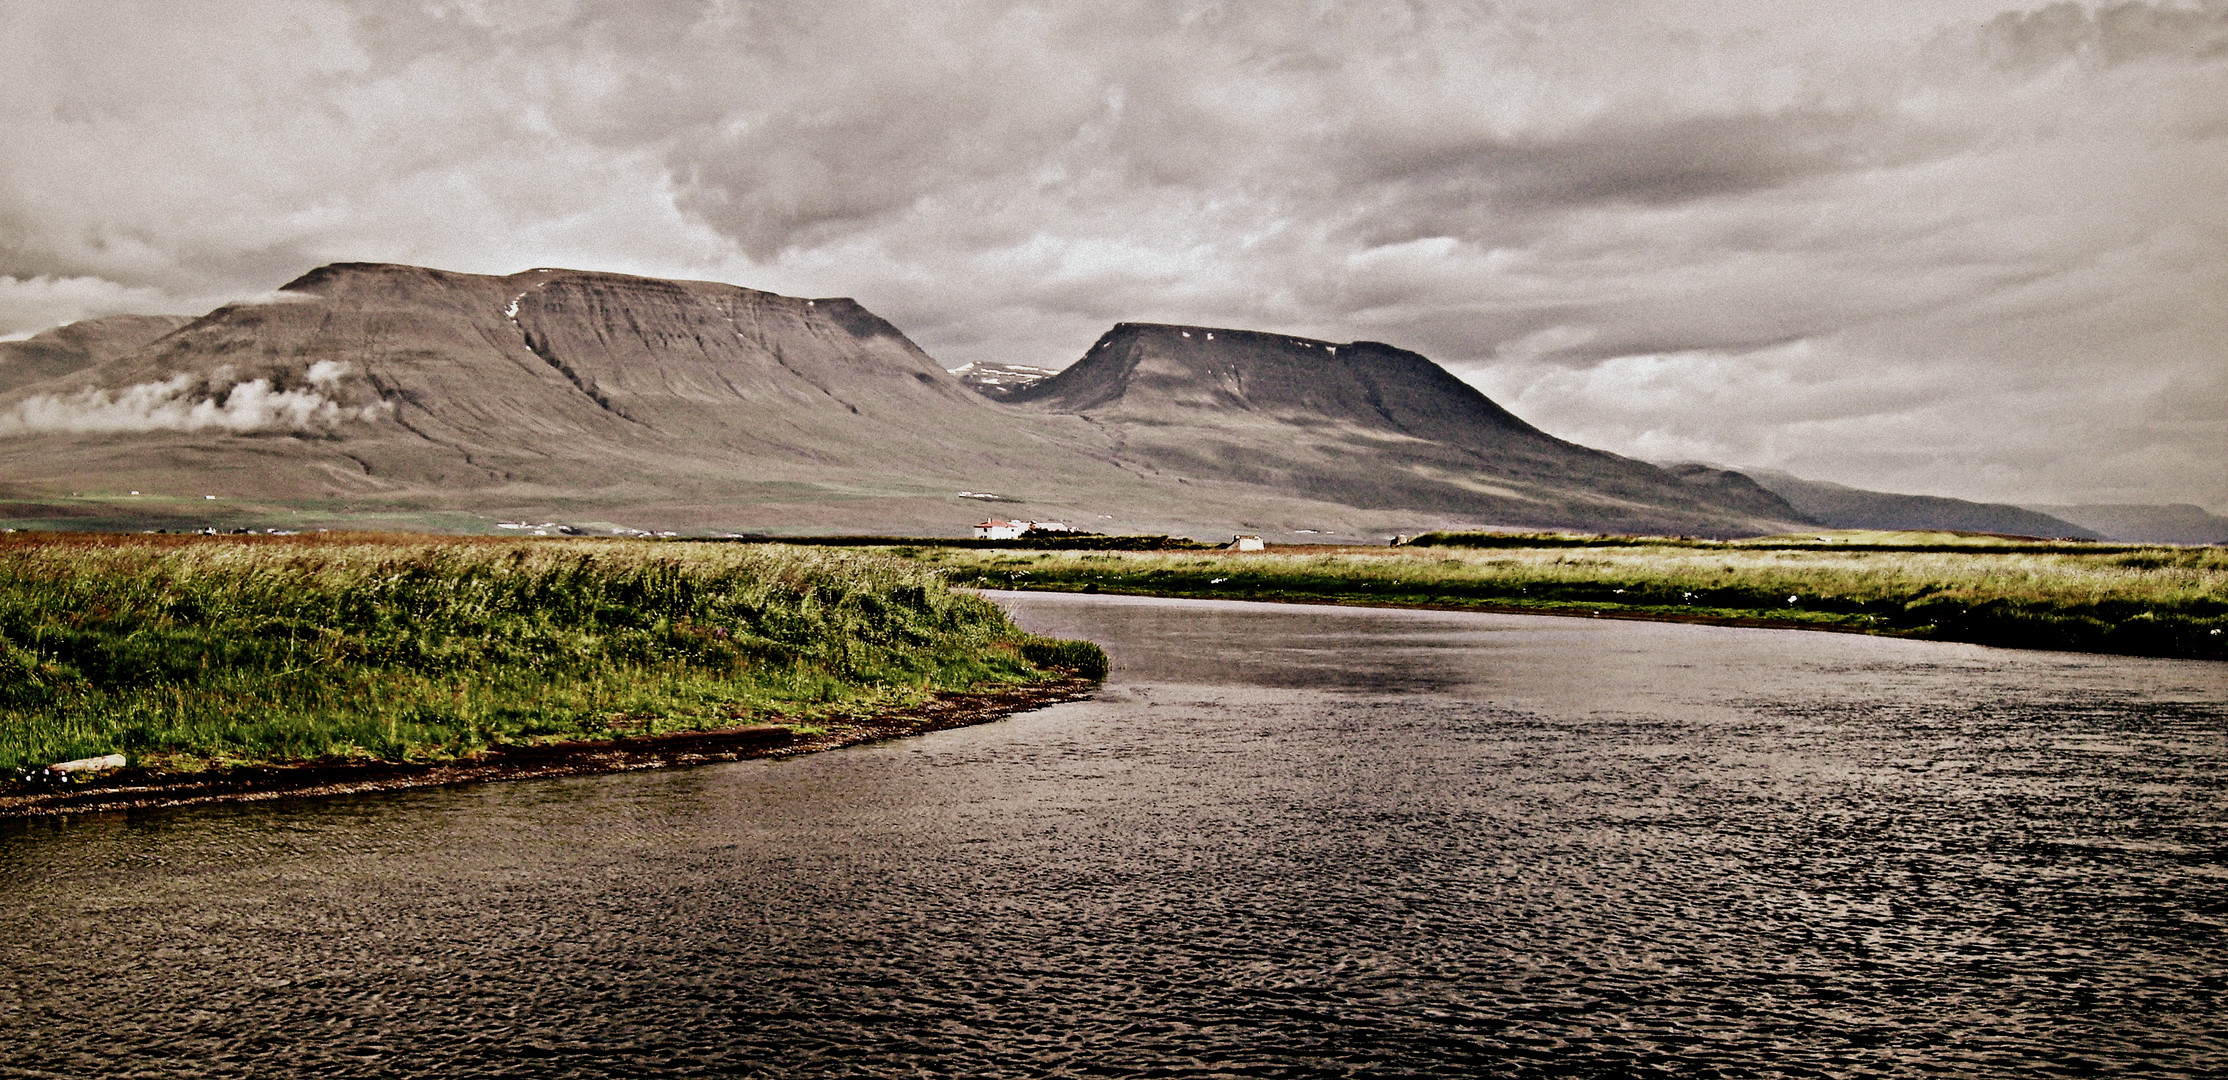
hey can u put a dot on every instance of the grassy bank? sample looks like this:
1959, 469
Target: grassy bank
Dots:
2159, 601
191, 653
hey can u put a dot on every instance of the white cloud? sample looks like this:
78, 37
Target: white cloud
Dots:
187, 402
29, 305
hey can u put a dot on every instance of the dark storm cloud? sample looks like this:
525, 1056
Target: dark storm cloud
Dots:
1495, 188
1214, 106
1740, 230
2029, 41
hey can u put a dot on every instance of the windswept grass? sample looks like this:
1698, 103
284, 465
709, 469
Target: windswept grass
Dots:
190, 653
2158, 601
1910, 541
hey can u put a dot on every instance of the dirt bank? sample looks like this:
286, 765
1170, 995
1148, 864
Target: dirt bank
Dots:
136, 789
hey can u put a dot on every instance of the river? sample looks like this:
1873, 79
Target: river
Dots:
1284, 841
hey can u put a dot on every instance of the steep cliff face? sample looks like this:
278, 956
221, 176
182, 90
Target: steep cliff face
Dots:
1368, 424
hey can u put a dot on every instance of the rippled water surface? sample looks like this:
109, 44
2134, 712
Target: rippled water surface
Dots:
1283, 841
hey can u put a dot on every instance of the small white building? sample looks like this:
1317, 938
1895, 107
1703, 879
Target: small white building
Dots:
1015, 530
1247, 542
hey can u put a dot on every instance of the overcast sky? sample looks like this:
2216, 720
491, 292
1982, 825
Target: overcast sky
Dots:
1932, 246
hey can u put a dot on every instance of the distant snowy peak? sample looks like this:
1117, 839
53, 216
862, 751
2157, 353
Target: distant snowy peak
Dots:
1000, 380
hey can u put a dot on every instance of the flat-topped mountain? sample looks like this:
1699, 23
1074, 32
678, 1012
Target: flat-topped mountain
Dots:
581, 355
548, 391
380, 393
1157, 371
1367, 424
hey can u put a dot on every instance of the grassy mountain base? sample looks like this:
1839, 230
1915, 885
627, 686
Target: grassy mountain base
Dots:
190, 653
2149, 602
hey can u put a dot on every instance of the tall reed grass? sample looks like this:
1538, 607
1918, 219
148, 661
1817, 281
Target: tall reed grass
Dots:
188, 654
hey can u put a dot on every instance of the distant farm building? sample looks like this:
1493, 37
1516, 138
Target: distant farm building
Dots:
1015, 530
1246, 542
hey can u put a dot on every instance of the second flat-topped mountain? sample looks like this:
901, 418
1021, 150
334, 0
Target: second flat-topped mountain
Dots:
1367, 423
1149, 369
378, 389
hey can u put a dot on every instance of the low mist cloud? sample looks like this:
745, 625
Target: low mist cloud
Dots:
189, 402
33, 304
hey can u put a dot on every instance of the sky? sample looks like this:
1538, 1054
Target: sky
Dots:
1928, 246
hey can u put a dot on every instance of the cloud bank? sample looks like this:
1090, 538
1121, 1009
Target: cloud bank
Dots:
188, 402
1951, 247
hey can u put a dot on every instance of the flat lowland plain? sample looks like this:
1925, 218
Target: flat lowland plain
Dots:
193, 655
2146, 601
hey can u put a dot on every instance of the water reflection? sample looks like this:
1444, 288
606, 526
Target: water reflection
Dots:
1283, 842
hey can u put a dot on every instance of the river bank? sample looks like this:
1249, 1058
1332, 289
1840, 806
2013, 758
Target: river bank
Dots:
143, 789
2150, 601
252, 662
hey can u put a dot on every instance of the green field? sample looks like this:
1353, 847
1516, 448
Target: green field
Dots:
190, 653
2151, 601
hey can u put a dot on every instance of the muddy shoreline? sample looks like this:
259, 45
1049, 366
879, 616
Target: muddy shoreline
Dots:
139, 789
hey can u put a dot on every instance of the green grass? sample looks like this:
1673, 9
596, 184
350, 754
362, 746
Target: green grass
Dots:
1909, 541
191, 653
2155, 601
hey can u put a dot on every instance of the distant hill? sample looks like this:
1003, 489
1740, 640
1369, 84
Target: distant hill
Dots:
68, 349
1737, 489
1365, 424
2141, 523
1837, 507
399, 396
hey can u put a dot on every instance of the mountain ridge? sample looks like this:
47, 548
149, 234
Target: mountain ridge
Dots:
389, 390
1839, 506
73, 347
2144, 523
